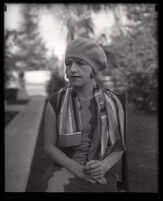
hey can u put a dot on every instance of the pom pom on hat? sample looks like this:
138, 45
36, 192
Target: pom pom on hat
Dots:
89, 51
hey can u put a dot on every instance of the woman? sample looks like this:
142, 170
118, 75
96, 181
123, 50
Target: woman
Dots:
83, 126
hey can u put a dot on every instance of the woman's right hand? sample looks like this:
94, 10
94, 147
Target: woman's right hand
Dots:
79, 172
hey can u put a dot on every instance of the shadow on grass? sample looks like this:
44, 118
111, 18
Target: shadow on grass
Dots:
9, 116
17, 102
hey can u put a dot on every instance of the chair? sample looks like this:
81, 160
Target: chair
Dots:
123, 183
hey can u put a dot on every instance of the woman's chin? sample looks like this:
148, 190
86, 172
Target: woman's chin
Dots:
76, 83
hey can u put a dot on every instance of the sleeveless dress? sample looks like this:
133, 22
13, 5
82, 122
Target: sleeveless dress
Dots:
59, 179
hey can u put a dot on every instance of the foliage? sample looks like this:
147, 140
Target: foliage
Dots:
11, 57
136, 58
132, 54
24, 48
76, 18
31, 47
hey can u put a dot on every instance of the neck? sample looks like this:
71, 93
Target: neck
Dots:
86, 91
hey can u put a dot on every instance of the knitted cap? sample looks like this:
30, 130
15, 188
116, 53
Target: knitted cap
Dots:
89, 51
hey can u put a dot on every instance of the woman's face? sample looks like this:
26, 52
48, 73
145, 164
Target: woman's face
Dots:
78, 71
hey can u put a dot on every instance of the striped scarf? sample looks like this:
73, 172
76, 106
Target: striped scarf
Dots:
110, 113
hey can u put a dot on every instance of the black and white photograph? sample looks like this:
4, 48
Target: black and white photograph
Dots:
81, 98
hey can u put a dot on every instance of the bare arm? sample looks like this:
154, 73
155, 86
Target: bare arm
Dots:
112, 159
50, 139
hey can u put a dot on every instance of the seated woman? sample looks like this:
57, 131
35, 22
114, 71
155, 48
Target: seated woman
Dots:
84, 126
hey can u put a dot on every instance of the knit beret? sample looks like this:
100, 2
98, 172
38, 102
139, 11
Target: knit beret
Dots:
89, 51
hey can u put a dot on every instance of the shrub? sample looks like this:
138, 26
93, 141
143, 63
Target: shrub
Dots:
136, 69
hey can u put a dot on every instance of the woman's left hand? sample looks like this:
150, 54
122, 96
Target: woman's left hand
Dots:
95, 169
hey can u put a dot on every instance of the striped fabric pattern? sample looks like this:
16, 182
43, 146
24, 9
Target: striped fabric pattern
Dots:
110, 112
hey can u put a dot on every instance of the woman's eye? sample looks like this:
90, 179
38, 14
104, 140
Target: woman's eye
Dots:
80, 63
68, 64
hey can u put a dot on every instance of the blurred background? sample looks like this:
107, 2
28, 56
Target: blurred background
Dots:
35, 38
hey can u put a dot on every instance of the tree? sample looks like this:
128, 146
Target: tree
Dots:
76, 17
32, 51
11, 56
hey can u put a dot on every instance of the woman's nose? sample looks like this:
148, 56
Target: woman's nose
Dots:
73, 67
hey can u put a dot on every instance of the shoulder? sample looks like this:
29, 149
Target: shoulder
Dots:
114, 93
54, 98
56, 94
109, 92
117, 97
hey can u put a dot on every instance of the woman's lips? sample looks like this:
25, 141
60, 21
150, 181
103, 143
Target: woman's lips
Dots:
75, 76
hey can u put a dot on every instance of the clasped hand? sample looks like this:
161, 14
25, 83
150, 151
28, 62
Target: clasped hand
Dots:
96, 170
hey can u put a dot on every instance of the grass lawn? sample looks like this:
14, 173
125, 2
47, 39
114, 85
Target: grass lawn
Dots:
142, 151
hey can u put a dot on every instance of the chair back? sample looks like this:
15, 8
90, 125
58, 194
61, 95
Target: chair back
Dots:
123, 183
